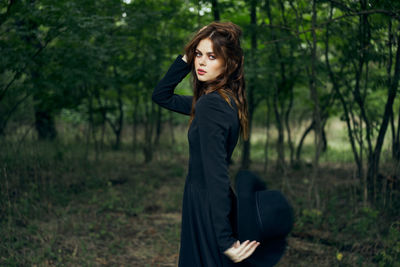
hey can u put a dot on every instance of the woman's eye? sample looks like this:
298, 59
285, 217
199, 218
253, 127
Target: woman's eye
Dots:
198, 54
212, 57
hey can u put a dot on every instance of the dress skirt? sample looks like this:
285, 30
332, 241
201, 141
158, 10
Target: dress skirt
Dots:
198, 247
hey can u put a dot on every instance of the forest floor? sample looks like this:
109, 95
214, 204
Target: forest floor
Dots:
62, 207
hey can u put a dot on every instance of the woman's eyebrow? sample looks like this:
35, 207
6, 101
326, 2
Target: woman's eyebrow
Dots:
208, 53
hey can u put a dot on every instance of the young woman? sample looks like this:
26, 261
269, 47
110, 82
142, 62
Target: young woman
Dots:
218, 115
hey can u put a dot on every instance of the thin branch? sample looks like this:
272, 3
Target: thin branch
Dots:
14, 107
339, 5
3, 18
19, 72
296, 33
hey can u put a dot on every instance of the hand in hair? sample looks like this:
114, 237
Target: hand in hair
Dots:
203, 28
239, 252
184, 58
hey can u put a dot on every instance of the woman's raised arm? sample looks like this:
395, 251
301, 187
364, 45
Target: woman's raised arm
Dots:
163, 93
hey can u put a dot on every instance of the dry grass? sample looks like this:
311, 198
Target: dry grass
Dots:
62, 209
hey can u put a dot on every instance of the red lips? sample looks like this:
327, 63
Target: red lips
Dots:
201, 71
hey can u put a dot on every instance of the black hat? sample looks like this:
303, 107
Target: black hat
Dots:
262, 215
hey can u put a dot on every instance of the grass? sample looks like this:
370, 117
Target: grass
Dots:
59, 206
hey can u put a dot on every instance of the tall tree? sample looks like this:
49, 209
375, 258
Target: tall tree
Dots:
316, 105
252, 81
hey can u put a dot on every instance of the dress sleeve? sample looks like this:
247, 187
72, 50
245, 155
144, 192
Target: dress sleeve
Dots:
163, 93
213, 124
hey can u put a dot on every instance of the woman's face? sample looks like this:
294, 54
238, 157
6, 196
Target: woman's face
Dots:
207, 65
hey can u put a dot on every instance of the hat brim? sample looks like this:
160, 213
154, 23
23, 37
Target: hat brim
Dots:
270, 251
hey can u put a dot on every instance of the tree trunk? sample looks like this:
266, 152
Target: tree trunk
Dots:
134, 124
287, 125
279, 85
171, 124
280, 164
373, 163
316, 110
44, 123
396, 141
215, 9
346, 110
303, 137
306, 132
250, 91
267, 141
148, 135
103, 112
120, 124
395, 134
158, 126
44, 117
117, 125
4, 118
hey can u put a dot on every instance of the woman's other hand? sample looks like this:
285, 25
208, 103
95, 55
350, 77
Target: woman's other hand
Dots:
239, 252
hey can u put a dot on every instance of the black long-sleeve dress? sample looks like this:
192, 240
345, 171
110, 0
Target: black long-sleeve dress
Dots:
209, 203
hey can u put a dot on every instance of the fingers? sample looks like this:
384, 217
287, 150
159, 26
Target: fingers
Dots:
245, 250
232, 252
248, 250
249, 245
184, 58
240, 251
203, 28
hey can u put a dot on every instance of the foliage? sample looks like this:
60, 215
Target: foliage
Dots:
82, 72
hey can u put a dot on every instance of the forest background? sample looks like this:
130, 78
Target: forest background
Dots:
92, 170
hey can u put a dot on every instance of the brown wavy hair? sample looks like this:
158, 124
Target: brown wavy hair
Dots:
225, 37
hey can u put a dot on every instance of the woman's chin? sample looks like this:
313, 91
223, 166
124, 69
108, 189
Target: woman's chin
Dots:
201, 78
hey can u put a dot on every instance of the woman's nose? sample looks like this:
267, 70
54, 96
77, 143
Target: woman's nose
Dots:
202, 61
